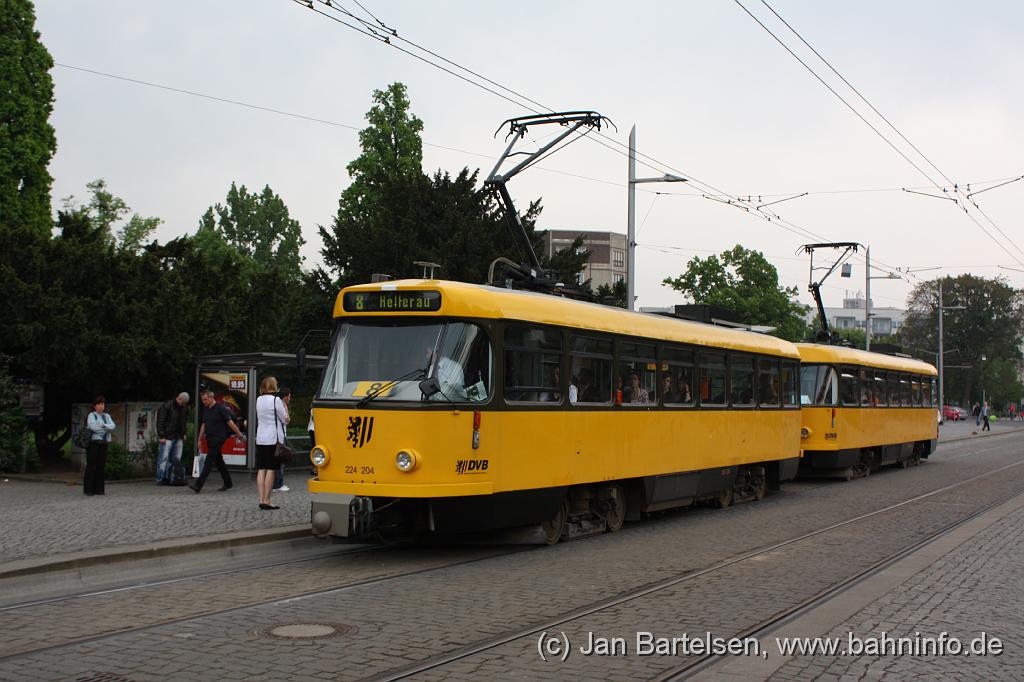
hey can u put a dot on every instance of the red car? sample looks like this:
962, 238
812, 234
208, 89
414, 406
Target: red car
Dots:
950, 413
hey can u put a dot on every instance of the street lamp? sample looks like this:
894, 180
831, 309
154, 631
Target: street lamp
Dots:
631, 221
867, 294
941, 358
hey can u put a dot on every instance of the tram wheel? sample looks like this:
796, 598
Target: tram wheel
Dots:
616, 514
760, 486
554, 526
724, 498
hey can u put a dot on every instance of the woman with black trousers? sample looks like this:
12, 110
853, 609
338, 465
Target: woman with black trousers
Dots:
100, 424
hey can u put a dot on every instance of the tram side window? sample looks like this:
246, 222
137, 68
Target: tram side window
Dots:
790, 384
818, 385
637, 364
533, 358
591, 369
904, 390
768, 393
915, 390
881, 389
712, 379
893, 382
929, 389
675, 385
867, 388
849, 392
741, 380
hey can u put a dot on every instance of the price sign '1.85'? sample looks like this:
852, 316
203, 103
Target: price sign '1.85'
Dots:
391, 301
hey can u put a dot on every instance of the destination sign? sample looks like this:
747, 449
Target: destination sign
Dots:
391, 301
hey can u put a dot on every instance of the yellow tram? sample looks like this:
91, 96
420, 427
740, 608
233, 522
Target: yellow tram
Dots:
449, 407
862, 410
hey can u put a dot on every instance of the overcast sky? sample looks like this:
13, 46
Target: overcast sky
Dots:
712, 94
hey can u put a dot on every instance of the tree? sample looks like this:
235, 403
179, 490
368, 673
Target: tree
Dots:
105, 211
27, 143
392, 214
27, 140
613, 295
985, 333
744, 282
569, 263
257, 227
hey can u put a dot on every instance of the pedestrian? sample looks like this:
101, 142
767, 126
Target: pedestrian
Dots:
171, 424
218, 423
977, 414
285, 394
985, 411
100, 425
271, 418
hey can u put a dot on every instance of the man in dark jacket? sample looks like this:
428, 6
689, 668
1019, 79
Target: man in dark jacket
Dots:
218, 424
171, 422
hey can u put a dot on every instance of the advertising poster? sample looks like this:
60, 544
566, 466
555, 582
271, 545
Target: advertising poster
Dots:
141, 425
231, 389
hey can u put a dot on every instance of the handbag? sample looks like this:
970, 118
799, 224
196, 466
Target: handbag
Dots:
282, 453
83, 435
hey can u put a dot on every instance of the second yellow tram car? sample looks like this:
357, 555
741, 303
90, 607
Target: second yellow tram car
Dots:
449, 408
862, 411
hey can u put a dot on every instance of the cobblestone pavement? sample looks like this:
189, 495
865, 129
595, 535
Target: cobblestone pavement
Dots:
46, 519
972, 590
414, 617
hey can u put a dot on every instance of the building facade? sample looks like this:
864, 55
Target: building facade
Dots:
884, 320
607, 263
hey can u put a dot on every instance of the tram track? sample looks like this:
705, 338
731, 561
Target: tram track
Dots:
187, 578
438, 662
698, 664
336, 589
442, 659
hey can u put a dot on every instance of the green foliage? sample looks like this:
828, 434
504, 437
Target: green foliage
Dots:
392, 214
258, 228
1001, 383
27, 140
744, 282
569, 262
12, 421
105, 211
613, 295
118, 468
985, 335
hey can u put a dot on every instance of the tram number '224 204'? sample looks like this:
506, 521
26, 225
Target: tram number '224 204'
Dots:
353, 469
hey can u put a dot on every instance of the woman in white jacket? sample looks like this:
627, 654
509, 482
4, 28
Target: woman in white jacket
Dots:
271, 418
100, 424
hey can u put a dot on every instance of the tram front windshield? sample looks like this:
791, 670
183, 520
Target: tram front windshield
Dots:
387, 361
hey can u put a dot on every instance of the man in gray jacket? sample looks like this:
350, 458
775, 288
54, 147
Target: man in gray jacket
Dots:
171, 424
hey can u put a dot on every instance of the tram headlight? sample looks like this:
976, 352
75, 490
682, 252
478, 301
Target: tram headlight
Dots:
406, 460
805, 432
319, 456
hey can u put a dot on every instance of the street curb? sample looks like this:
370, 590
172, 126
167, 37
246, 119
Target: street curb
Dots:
162, 548
976, 435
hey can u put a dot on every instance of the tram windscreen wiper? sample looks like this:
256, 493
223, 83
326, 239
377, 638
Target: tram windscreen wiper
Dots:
386, 386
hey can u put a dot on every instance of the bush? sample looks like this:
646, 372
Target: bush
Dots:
117, 462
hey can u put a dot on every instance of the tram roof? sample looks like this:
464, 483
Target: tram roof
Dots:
813, 352
461, 299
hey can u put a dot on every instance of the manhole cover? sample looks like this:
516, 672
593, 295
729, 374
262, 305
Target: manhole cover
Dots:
307, 630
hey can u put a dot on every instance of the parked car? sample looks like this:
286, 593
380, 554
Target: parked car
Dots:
953, 413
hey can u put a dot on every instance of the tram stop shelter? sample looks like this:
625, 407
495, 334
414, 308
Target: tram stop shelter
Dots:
235, 381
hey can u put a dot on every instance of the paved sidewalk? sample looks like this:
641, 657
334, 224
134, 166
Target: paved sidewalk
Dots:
54, 520
42, 519
970, 593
